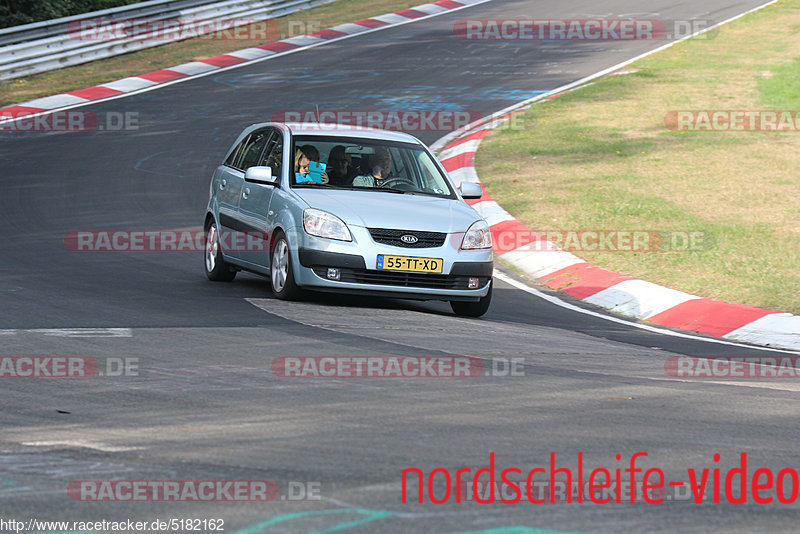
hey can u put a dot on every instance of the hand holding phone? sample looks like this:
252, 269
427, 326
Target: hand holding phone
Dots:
315, 172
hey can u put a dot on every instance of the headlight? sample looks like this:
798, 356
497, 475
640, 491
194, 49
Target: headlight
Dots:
323, 224
478, 236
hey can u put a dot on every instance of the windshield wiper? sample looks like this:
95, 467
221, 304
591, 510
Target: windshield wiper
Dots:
387, 189
427, 193
404, 192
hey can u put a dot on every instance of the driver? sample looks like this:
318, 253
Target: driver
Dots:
381, 165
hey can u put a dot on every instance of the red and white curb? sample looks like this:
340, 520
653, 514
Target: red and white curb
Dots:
204, 67
557, 269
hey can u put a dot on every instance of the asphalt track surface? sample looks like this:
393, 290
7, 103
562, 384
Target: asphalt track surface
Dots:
205, 405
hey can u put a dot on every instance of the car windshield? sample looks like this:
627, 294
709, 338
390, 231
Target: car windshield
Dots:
362, 164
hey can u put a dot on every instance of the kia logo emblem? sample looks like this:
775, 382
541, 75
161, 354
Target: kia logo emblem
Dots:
408, 238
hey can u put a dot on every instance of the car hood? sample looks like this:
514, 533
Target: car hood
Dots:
389, 210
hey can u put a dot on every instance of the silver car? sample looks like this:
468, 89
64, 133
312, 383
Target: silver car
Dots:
347, 210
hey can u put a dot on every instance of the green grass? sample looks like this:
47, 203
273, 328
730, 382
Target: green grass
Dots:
782, 90
602, 158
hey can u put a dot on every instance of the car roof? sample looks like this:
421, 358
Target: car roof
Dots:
338, 131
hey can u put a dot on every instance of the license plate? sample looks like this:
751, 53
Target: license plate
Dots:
410, 263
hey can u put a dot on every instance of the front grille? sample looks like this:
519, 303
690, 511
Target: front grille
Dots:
390, 236
394, 278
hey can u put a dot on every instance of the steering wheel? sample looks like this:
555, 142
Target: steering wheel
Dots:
396, 181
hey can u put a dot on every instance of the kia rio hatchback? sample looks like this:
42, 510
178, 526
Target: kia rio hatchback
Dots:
347, 210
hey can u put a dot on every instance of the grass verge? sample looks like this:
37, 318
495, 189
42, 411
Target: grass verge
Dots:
603, 158
169, 55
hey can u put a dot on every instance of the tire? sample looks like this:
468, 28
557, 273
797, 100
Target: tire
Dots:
473, 309
217, 269
281, 274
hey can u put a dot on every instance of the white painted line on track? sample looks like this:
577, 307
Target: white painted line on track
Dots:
79, 443
71, 332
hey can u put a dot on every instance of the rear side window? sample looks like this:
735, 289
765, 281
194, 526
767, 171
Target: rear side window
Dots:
231, 161
251, 152
273, 154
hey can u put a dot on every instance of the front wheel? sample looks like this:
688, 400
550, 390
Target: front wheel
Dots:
473, 309
217, 269
281, 274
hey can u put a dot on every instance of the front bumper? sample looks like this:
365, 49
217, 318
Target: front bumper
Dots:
357, 272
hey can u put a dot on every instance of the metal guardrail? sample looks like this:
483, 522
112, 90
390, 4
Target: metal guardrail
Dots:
53, 44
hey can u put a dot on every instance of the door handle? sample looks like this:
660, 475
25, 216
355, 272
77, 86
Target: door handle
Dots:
223, 183
246, 192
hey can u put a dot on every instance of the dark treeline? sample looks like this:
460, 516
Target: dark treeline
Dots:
16, 12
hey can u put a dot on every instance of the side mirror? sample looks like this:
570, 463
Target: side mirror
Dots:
470, 190
260, 175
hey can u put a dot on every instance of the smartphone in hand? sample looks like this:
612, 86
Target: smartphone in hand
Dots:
315, 172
